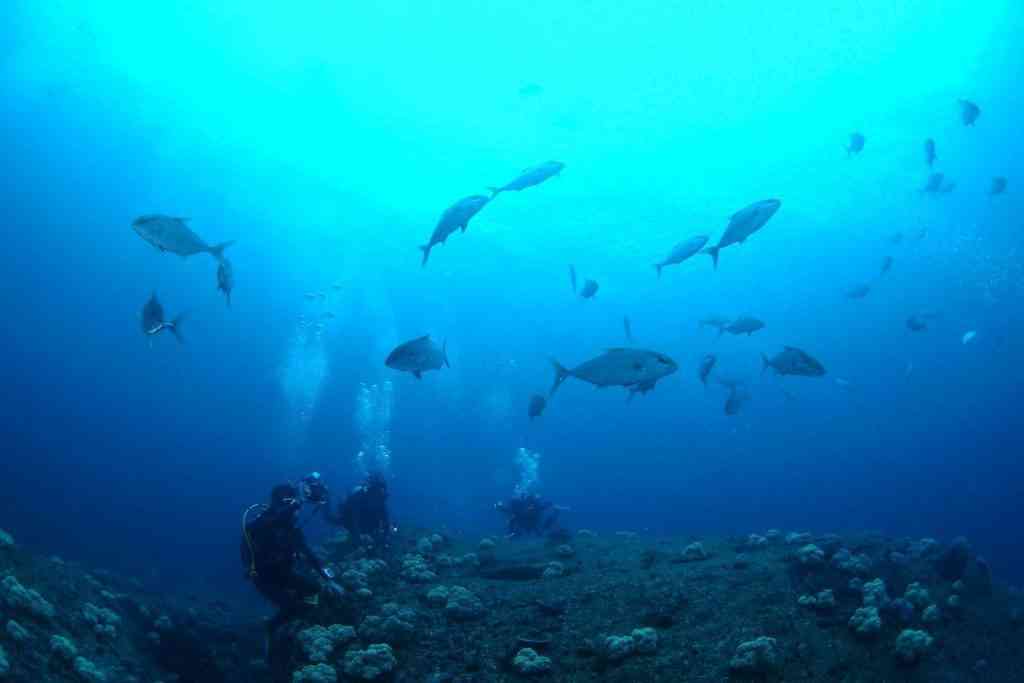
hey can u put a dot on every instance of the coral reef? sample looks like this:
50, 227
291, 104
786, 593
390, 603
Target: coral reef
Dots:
315, 673
866, 622
372, 663
645, 640
462, 605
617, 648
622, 607
759, 656
694, 552
911, 645
810, 556
528, 662
24, 600
318, 642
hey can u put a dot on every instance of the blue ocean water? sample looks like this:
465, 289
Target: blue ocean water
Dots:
327, 139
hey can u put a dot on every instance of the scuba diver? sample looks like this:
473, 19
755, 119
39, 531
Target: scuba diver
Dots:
364, 513
529, 514
276, 555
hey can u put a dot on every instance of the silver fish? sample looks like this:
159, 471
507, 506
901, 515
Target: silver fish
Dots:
630, 368
793, 361
154, 322
742, 325
707, 364
858, 291
715, 321
226, 279
537, 405
682, 251
934, 184
572, 277
530, 177
168, 233
917, 323
929, 152
856, 144
530, 90
590, 288
969, 112
734, 402
743, 224
886, 264
455, 217
628, 329
998, 185
417, 356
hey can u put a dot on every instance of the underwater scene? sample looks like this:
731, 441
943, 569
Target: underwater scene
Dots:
457, 342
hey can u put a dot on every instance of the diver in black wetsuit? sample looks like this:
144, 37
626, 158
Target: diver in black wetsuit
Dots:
529, 514
273, 551
364, 513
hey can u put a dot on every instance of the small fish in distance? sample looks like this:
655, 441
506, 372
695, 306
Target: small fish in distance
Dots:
530, 177
856, 145
154, 322
455, 217
743, 224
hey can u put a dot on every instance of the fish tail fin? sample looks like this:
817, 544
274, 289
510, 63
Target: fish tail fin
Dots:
227, 295
765, 363
218, 249
657, 267
495, 191
561, 374
425, 248
175, 327
713, 253
444, 353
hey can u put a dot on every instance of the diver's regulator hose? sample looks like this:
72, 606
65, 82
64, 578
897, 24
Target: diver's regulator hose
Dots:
248, 540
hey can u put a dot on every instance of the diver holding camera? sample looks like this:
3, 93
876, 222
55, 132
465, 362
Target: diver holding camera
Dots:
277, 556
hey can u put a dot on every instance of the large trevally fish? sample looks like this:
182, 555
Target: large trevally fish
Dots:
682, 251
417, 356
168, 233
455, 217
530, 177
630, 368
743, 224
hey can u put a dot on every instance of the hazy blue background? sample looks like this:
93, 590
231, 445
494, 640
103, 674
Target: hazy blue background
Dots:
327, 138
